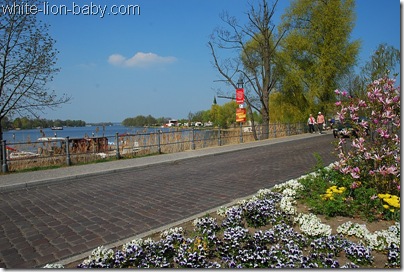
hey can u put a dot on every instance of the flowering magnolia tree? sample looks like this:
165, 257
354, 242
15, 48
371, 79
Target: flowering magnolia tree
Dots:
373, 159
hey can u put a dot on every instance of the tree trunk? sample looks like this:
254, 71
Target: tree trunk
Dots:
265, 125
1, 145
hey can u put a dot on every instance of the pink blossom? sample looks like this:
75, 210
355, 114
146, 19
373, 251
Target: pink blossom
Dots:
355, 172
388, 114
387, 101
362, 103
383, 133
384, 171
358, 143
355, 185
382, 107
373, 197
376, 157
345, 170
352, 108
364, 124
367, 156
392, 170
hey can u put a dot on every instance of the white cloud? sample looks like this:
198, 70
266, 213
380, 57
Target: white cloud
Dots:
140, 59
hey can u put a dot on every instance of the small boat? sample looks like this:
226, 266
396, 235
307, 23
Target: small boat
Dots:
16, 154
57, 128
22, 155
50, 139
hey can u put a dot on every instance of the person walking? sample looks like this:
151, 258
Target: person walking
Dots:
320, 123
311, 122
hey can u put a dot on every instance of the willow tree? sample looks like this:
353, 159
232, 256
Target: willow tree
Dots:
254, 45
27, 64
317, 52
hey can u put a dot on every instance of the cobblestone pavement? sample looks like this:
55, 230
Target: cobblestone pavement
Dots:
59, 222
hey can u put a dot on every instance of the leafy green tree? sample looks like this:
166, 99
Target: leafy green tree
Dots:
6, 123
227, 115
215, 114
316, 53
150, 120
285, 110
139, 121
256, 45
17, 122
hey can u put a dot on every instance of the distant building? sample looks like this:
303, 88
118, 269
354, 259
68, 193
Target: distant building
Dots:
172, 123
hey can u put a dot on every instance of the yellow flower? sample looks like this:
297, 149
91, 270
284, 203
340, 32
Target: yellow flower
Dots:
331, 191
392, 202
392, 210
386, 206
382, 196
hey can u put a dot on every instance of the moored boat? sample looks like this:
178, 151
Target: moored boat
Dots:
57, 128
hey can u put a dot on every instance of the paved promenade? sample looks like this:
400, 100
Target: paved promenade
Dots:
61, 215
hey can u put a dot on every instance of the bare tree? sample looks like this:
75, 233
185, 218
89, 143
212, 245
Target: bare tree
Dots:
27, 63
255, 47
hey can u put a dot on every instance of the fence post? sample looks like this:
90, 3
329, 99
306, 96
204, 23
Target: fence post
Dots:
219, 139
4, 166
68, 160
288, 129
159, 141
275, 130
193, 139
118, 156
241, 132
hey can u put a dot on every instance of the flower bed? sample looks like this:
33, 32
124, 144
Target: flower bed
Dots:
265, 231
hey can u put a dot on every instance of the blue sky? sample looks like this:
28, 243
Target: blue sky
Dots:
158, 62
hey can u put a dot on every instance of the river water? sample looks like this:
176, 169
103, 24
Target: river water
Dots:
28, 135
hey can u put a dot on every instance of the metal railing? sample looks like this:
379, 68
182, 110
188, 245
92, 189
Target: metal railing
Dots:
53, 151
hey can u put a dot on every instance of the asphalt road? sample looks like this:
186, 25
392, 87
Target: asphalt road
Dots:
58, 222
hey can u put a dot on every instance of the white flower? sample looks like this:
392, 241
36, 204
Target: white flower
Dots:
56, 266
287, 205
222, 211
378, 240
99, 255
289, 192
137, 242
292, 184
168, 232
263, 192
311, 225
